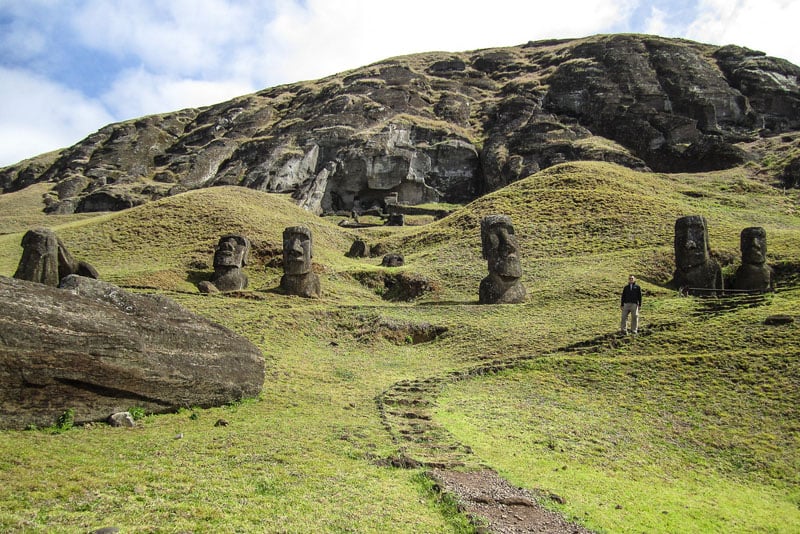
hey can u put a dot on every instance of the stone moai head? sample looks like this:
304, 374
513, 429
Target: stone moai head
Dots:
753, 244
753, 274
232, 251
691, 242
499, 246
297, 250
40, 255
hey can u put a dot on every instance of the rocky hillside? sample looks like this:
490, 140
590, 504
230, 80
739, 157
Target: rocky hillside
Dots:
442, 126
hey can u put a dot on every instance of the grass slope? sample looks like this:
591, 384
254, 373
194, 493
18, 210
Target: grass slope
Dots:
690, 427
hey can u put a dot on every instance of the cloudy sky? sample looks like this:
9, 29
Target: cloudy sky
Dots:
68, 67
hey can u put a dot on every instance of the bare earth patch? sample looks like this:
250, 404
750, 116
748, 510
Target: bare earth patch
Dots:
496, 506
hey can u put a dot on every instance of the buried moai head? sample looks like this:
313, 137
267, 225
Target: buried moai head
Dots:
499, 246
691, 242
230, 255
754, 274
694, 267
39, 262
393, 260
45, 259
753, 244
501, 251
298, 277
297, 250
232, 250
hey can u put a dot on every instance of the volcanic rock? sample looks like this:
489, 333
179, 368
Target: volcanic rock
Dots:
93, 348
441, 126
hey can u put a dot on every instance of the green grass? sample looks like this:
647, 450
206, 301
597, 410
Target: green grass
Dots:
690, 427
618, 438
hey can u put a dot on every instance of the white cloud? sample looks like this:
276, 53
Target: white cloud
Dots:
180, 37
192, 53
38, 115
766, 25
328, 36
137, 92
656, 23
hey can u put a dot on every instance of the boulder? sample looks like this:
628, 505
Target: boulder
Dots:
94, 348
124, 419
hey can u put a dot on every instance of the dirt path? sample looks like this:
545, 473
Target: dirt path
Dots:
496, 506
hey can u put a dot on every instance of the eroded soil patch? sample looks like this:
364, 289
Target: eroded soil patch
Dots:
494, 505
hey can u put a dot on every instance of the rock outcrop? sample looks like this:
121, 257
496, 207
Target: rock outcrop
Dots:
93, 348
442, 126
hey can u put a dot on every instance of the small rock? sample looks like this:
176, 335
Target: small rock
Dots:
121, 419
207, 288
774, 320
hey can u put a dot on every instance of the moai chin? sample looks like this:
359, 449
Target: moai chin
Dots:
694, 267
501, 251
298, 277
754, 274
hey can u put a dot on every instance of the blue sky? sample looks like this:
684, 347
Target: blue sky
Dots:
69, 67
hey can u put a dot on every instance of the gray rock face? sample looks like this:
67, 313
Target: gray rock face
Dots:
442, 126
96, 349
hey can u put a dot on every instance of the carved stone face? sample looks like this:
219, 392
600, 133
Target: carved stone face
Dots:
753, 242
500, 247
297, 250
691, 242
231, 251
39, 262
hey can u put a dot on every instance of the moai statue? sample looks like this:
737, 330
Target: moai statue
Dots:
500, 249
393, 260
358, 249
298, 278
46, 260
754, 273
694, 268
230, 256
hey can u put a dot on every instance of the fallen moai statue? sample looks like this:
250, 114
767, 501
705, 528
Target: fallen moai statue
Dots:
96, 349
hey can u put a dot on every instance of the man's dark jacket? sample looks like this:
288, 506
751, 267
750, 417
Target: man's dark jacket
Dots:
632, 293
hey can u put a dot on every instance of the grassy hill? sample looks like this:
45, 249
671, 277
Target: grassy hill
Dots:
692, 426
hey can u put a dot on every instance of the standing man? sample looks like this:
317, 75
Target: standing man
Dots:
631, 302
